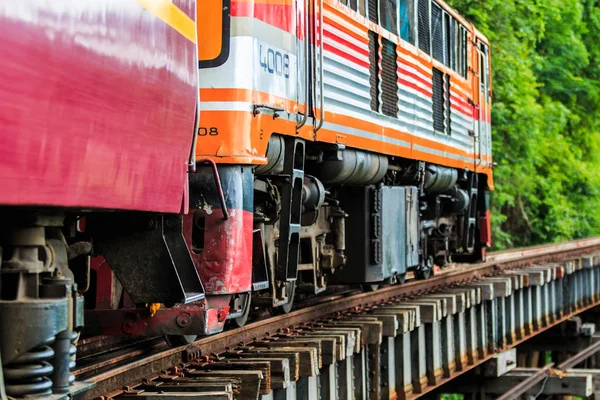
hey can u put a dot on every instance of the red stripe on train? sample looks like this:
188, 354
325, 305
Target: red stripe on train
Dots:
419, 78
412, 86
278, 15
346, 56
344, 42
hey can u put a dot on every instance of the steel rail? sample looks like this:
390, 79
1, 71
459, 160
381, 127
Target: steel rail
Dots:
160, 359
541, 374
527, 384
580, 357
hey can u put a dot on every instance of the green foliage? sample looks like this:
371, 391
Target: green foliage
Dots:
546, 116
448, 396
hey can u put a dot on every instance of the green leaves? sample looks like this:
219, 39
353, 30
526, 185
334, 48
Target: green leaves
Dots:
546, 116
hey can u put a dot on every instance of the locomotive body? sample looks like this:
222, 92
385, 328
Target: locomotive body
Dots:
182, 162
366, 125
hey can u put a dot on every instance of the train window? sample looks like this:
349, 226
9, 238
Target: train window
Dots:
373, 11
388, 14
484, 71
356, 5
450, 50
362, 7
406, 20
424, 27
460, 65
213, 41
437, 32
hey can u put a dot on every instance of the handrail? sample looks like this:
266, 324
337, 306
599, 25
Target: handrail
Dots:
301, 123
321, 84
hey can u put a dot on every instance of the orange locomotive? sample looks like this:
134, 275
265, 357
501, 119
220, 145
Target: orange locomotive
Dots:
353, 142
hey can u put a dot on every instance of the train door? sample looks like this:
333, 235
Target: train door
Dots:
483, 134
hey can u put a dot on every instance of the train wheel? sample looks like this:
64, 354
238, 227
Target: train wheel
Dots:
180, 340
241, 321
286, 308
422, 273
369, 287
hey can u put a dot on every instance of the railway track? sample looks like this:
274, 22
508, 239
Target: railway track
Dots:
397, 342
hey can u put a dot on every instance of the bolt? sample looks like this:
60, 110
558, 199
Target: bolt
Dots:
129, 326
183, 319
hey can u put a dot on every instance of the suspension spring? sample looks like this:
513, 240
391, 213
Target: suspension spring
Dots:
64, 361
28, 373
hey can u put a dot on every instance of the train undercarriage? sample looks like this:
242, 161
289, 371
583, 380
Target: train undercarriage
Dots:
315, 215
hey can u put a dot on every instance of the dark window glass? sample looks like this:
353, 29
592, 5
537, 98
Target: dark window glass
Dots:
463, 51
362, 7
437, 32
389, 79
407, 20
423, 16
450, 50
484, 71
388, 12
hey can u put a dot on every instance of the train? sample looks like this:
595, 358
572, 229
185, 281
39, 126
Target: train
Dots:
166, 166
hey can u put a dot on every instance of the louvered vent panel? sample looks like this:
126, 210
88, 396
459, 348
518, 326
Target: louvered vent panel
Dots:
373, 11
438, 100
389, 79
373, 69
437, 32
447, 105
424, 25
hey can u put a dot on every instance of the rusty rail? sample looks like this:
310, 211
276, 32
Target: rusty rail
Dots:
358, 304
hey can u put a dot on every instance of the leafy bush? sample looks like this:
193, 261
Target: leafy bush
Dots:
546, 116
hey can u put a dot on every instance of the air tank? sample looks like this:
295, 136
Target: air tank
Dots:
356, 168
439, 179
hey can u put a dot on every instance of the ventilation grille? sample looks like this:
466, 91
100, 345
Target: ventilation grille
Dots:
424, 25
373, 69
389, 79
373, 11
437, 32
448, 111
438, 100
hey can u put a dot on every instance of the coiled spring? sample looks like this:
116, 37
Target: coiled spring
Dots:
28, 373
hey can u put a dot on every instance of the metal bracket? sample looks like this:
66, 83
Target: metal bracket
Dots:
257, 107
